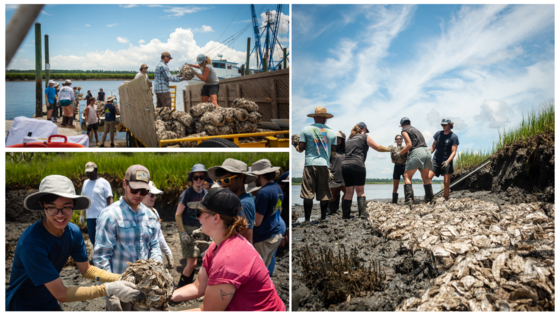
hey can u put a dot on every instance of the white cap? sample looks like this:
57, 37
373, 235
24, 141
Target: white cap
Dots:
153, 189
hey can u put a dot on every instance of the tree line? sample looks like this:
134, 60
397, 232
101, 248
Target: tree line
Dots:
377, 180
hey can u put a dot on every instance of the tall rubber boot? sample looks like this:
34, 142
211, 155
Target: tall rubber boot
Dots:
429, 193
413, 199
185, 280
333, 206
408, 194
362, 206
324, 206
395, 198
307, 208
64, 121
346, 205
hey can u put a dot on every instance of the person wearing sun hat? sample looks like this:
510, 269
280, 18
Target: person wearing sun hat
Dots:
187, 222
319, 143
44, 248
233, 175
162, 76
127, 231
445, 147
233, 277
149, 201
266, 232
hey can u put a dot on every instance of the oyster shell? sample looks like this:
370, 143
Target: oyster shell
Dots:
187, 72
201, 108
152, 279
241, 103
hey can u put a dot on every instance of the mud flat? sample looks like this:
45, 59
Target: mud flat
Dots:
18, 219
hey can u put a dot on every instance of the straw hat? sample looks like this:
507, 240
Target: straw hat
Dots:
320, 112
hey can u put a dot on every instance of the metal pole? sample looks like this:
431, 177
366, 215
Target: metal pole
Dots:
265, 65
38, 72
19, 26
482, 165
47, 65
248, 55
285, 58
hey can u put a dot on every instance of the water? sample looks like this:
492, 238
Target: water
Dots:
373, 191
20, 97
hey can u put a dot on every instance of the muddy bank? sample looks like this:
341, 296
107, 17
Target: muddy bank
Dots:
520, 173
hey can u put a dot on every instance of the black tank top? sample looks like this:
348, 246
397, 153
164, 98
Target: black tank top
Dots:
416, 138
356, 151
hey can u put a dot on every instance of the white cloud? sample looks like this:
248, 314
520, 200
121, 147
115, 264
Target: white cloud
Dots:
127, 6
122, 40
180, 11
85, 44
87, 25
494, 113
141, 41
111, 25
204, 29
10, 7
45, 12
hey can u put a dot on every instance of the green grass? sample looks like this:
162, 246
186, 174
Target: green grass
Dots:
537, 121
167, 170
73, 76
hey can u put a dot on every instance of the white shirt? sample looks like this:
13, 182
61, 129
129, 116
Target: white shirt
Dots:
97, 191
141, 74
161, 239
66, 93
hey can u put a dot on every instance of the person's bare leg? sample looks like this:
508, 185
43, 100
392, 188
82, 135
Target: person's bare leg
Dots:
112, 136
395, 186
424, 173
204, 98
49, 114
343, 189
446, 184
360, 190
104, 138
431, 175
96, 139
349, 193
214, 99
189, 268
408, 176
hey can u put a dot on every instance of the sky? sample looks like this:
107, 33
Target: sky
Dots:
121, 37
483, 66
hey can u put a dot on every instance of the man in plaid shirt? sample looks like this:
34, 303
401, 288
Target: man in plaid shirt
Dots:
162, 77
126, 230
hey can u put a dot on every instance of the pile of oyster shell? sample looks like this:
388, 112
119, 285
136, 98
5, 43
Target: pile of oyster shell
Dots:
394, 151
187, 72
295, 140
489, 256
152, 279
206, 119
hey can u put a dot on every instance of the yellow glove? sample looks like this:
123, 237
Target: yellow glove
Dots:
96, 274
179, 219
383, 149
76, 294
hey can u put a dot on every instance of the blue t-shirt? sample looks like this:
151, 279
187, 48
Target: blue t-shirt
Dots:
110, 112
268, 203
248, 209
444, 145
38, 259
101, 96
189, 214
51, 94
318, 139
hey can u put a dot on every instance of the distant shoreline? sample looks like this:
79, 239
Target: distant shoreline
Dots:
71, 79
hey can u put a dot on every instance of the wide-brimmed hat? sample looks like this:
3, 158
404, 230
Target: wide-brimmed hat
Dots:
263, 166
233, 166
196, 168
154, 189
52, 81
111, 98
138, 177
57, 185
251, 187
67, 82
90, 166
320, 112
218, 200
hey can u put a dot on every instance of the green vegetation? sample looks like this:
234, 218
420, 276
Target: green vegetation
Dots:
74, 76
167, 170
378, 181
534, 123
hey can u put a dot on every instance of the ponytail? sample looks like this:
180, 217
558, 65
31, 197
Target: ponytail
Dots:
355, 131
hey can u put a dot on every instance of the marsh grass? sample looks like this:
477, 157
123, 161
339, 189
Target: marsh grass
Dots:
167, 170
537, 121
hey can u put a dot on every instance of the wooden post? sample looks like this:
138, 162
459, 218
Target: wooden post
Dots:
47, 65
189, 96
238, 90
274, 98
227, 96
285, 58
38, 72
185, 100
248, 55
265, 63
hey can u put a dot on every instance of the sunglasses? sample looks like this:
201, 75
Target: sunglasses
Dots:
199, 213
143, 192
225, 180
444, 125
145, 68
153, 195
398, 138
195, 178
53, 211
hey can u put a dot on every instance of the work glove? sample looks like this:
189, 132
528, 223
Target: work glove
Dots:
170, 261
445, 164
383, 149
82, 219
186, 238
113, 304
125, 291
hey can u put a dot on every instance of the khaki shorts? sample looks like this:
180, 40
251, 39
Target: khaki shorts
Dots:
419, 158
110, 127
315, 183
191, 250
267, 247
163, 100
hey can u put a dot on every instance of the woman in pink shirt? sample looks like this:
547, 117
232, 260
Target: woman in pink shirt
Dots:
233, 277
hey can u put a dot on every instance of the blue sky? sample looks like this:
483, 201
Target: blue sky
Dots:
483, 66
125, 36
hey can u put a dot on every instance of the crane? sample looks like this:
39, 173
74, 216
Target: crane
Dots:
270, 34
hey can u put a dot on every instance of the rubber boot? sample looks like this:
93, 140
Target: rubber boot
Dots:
324, 206
64, 120
185, 280
413, 199
362, 206
395, 198
408, 194
307, 207
333, 206
346, 205
429, 193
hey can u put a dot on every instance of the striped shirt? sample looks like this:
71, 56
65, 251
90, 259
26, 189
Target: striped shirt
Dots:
162, 77
123, 236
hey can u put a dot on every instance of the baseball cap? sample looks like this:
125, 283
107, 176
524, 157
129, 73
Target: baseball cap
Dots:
218, 200
446, 121
404, 119
90, 166
138, 177
200, 58
363, 125
166, 54
154, 189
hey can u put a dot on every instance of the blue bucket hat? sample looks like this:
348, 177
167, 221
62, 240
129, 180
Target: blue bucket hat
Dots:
200, 58
197, 168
